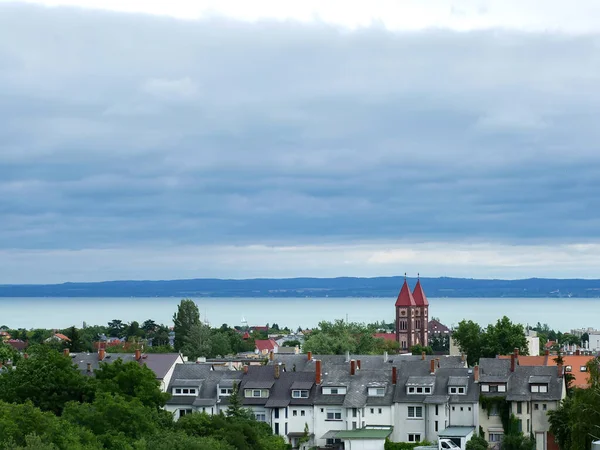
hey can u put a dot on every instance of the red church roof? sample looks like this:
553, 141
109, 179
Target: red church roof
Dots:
419, 295
405, 298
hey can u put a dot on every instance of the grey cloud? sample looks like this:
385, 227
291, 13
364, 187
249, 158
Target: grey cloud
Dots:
125, 129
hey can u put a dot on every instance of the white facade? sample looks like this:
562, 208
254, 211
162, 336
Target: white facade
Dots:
364, 444
533, 345
594, 342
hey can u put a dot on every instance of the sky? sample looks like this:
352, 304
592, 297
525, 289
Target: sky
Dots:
235, 139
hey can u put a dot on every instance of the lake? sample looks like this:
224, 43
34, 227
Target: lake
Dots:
559, 313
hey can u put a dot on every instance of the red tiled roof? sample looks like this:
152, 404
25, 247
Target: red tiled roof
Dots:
265, 344
419, 295
386, 336
260, 328
17, 344
62, 337
246, 335
405, 297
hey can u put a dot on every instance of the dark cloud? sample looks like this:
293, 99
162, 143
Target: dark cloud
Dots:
122, 130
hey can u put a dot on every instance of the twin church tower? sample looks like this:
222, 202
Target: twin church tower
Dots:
412, 316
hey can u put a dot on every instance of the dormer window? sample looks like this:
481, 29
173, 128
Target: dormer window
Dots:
256, 393
225, 392
583, 369
376, 392
497, 387
339, 390
419, 390
185, 391
298, 393
539, 388
457, 390
568, 369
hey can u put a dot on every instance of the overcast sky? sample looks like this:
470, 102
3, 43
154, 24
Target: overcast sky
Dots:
234, 139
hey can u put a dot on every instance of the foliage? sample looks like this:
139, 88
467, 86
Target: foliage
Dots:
439, 342
172, 440
577, 418
292, 343
8, 353
186, 318
130, 380
25, 426
477, 443
517, 441
47, 378
503, 407
497, 339
419, 349
389, 445
339, 337
76, 343
235, 408
240, 433
197, 341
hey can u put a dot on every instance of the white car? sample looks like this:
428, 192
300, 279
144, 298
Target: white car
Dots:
447, 443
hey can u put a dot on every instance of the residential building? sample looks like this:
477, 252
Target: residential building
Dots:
265, 346
594, 342
528, 391
435, 327
533, 343
412, 316
58, 337
162, 364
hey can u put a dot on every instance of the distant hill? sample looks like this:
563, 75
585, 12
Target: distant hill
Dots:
312, 287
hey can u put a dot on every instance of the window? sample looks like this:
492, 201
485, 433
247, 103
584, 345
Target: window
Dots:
436, 426
334, 390
183, 412
354, 425
493, 388
377, 392
544, 406
415, 412
520, 425
461, 390
260, 416
226, 391
462, 408
256, 393
294, 413
178, 391
453, 408
427, 390
380, 410
536, 406
354, 412
469, 408
276, 427
436, 409
583, 368
453, 390
568, 369
519, 407
402, 324
414, 438
334, 414
528, 425
185, 391
495, 437
411, 390
299, 394
419, 390
302, 412
494, 410
276, 413
501, 388
485, 388
372, 410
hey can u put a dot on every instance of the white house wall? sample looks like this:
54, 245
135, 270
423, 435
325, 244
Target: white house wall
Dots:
322, 425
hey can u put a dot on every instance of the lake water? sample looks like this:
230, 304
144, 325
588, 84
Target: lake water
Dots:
559, 313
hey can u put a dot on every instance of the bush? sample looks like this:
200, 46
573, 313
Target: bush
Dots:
389, 445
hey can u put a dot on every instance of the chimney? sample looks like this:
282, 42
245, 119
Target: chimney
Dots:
138, 354
101, 354
352, 367
516, 352
271, 356
347, 356
577, 352
358, 364
277, 369
25, 356
462, 357
394, 374
245, 370
66, 352
432, 366
476, 374
422, 356
309, 356
318, 371
560, 370
89, 367
385, 356
547, 352
512, 362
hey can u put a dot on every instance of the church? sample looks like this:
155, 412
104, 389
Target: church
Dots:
412, 316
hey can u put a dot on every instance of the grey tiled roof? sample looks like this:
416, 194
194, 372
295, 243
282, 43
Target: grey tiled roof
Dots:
458, 381
159, 363
518, 382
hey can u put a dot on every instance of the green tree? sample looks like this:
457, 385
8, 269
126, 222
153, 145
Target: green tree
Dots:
339, 337
161, 336
419, 349
197, 342
8, 353
477, 443
235, 409
47, 378
292, 343
115, 328
517, 441
132, 381
76, 343
133, 330
503, 337
149, 326
186, 318
468, 337
27, 427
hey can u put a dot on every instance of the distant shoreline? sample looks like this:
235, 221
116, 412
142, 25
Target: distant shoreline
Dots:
343, 287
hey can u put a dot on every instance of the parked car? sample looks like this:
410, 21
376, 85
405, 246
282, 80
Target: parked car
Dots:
448, 444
